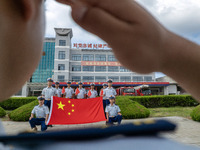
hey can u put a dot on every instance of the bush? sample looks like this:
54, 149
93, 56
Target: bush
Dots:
131, 109
195, 114
15, 102
165, 101
2, 112
23, 113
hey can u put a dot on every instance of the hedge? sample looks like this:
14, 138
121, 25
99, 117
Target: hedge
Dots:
165, 101
195, 114
2, 112
15, 102
24, 112
131, 109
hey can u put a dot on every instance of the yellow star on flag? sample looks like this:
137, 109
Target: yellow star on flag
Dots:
60, 105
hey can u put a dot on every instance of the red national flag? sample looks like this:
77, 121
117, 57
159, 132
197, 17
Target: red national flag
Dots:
63, 90
77, 91
76, 111
101, 94
89, 93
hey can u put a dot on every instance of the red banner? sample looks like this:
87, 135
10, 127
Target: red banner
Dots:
76, 111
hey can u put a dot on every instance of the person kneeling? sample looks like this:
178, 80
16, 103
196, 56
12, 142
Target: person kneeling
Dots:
42, 113
113, 112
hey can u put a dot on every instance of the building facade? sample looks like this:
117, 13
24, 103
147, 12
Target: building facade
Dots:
46, 64
89, 65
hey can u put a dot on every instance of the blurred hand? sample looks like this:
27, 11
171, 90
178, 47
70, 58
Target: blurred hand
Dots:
136, 38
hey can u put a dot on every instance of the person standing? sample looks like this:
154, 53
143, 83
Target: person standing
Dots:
42, 113
109, 91
92, 93
113, 112
48, 92
58, 90
80, 92
102, 95
69, 92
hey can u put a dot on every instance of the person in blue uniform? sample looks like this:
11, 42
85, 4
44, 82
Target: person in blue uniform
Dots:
92, 93
109, 91
69, 92
42, 113
80, 92
113, 112
48, 92
58, 90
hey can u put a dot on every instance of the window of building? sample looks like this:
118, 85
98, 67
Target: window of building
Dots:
113, 69
114, 78
88, 79
61, 66
100, 68
111, 58
76, 78
123, 69
61, 55
100, 79
62, 43
100, 57
88, 57
76, 67
148, 78
125, 79
61, 78
88, 68
76, 57
137, 78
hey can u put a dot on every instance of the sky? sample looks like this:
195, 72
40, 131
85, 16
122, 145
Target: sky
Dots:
179, 16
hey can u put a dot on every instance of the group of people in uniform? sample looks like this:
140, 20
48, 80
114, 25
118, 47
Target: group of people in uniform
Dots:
41, 111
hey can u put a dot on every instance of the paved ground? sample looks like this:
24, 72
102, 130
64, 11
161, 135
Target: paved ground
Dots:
188, 131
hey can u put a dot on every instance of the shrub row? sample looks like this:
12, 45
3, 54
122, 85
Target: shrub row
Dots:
196, 114
15, 102
2, 112
165, 101
131, 109
24, 112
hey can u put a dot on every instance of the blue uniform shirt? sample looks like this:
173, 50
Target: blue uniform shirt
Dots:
112, 110
59, 92
40, 111
69, 92
48, 92
109, 92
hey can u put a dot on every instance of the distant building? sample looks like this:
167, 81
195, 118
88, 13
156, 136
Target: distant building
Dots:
46, 65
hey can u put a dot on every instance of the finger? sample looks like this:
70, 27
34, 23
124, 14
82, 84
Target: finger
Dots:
98, 21
127, 10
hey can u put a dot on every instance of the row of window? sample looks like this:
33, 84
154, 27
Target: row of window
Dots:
91, 57
94, 68
104, 78
87, 57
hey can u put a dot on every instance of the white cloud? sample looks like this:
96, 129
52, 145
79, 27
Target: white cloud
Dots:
59, 16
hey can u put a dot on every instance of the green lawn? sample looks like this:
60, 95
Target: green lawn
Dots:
171, 111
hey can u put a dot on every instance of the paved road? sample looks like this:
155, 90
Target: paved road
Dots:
188, 131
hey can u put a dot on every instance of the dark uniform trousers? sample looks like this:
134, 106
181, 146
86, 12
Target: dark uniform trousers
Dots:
105, 103
38, 121
117, 118
47, 103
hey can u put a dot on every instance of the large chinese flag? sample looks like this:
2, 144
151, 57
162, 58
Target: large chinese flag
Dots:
76, 111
